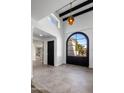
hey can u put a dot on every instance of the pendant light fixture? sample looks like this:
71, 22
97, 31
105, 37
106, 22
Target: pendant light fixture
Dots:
70, 19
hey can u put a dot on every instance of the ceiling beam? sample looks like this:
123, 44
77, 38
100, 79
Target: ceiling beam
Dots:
80, 13
76, 7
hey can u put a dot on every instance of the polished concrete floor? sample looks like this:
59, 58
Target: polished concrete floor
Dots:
63, 79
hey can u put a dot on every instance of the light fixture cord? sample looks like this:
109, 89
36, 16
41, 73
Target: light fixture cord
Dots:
66, 5
70, 8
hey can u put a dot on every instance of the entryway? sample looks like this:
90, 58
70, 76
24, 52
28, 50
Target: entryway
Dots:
77, 49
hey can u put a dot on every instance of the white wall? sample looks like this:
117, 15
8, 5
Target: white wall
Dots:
83, 23
46, 51
46, 26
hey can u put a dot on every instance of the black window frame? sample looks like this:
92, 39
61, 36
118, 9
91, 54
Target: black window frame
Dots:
87, 43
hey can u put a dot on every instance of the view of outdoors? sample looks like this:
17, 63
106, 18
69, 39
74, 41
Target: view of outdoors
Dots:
77, 45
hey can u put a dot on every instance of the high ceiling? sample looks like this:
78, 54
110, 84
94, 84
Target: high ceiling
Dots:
66, 7
76, 8
42, 8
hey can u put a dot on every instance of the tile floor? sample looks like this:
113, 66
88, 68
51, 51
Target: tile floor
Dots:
63, 79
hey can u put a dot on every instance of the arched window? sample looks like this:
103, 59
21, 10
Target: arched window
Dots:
77, 45
78, 48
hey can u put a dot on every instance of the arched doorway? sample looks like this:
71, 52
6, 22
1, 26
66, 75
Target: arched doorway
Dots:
77, 49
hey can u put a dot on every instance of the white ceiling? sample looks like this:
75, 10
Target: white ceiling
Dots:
37, 32
42, 8
75, 3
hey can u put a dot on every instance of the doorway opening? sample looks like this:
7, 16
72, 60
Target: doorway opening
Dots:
40, 54
50, 53
77, 49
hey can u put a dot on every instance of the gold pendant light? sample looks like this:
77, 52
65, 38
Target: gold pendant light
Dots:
71, 19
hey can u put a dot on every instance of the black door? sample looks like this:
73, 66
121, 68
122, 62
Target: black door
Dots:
51, 53
77, 49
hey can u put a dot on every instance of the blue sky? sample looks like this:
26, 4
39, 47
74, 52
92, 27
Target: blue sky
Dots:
80, 38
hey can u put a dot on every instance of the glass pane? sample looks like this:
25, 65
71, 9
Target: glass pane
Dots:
71, 53
82, 41
77, 45
72, 42
80, 49
73, 48
74, 37
80, 36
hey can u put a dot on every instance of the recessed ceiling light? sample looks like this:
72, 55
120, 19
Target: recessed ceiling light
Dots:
41, 35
